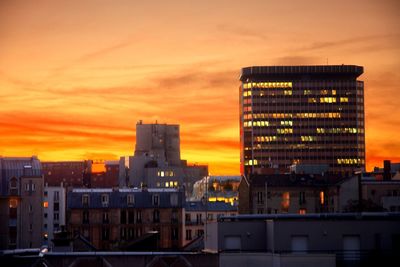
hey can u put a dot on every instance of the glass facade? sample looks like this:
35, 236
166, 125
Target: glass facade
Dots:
304, 115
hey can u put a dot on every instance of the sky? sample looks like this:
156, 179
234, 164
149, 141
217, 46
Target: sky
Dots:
76, 76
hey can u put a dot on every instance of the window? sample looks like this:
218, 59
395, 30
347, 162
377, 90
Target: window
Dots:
104, 200
123, 216
210, 216
105, 234
56, 196
188, 234
131, 217
285, 201
45, 215
302, 211
232, 243
85, 217
56, 216
85, 200
45, 193
260, 198
174, 200
260, 211
33, 187
351, 247
30, 208
56, 207
156, 200
174, 233
302, 198
187, 217
299, 244
45, 204
156, 216
174, 216
199, 220
26, 187
322, 197
130, 199
105, 217
139, 216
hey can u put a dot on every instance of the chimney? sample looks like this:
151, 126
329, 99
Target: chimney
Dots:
387, 175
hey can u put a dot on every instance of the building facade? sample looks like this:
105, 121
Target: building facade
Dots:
70, 173
353, 239
21, 203
112, 219
156, 162
54, 207
296, 193
199, 213
302, 115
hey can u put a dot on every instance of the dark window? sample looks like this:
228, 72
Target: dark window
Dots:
187, 217
156, 200
123, 216
302, 198
131, 217
85, 217
139, 216
105, 234
188, 234
174, 233
56, 206
156, 216
105, 217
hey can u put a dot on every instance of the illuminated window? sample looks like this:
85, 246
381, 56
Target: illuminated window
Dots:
307, 92
322, 197
287, 92
287, 123
302, 211
13, 203
324, 92
285, 201
344, 99
312, 100
45, 204
166, 184
333, 92
284, 131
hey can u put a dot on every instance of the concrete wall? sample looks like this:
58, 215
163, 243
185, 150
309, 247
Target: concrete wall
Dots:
252, 233
276, 260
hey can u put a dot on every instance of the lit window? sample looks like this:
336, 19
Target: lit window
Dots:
302, 211
285, 201
45, 204
344, 99
333, 92
322, 197
307, 92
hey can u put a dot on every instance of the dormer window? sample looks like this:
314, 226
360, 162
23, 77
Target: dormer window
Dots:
13, 186
85, 200
104, 200
156, 200
130, 199
174, 200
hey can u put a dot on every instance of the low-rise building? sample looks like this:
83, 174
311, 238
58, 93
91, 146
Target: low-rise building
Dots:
339, 239
295, 193
199, 213
114, 219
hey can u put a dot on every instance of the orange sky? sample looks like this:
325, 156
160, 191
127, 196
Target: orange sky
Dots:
76, 76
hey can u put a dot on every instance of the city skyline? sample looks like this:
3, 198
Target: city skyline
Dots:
76, 77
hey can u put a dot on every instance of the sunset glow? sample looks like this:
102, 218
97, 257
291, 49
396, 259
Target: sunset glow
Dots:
76, 76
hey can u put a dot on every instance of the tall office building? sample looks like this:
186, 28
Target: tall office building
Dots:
302, 115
